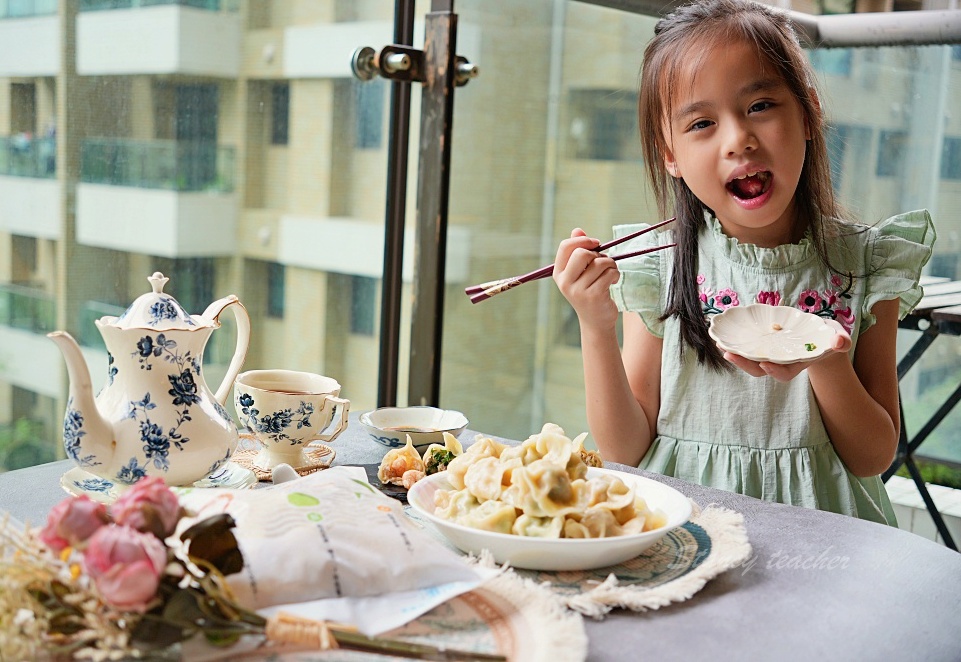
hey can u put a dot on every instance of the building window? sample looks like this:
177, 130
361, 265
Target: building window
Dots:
837, 141
603, 125
369, 118
363, 295
951, 158
194, 282
944, 265
891, 153
846, 142
279, 113
832, 61
276, 289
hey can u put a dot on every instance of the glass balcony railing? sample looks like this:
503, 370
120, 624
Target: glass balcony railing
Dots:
87, 332
98, 5
24, 155
25, 8
28, 308
158, 164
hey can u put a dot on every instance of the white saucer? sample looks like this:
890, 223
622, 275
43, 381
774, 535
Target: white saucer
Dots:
78, 482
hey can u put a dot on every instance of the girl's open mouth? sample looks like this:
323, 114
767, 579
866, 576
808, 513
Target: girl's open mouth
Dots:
751, 185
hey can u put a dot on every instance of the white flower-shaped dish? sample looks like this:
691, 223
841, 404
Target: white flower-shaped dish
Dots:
776, 334
390, 426
556, 553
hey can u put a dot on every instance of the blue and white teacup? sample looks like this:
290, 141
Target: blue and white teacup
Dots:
286, 410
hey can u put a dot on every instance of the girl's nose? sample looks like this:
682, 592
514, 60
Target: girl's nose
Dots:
739, 138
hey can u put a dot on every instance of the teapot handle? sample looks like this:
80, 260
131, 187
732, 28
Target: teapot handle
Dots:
243, 341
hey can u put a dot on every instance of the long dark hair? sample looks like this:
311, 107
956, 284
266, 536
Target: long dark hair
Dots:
688, 34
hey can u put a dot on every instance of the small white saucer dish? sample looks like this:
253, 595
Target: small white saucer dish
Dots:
78, 482
775, 334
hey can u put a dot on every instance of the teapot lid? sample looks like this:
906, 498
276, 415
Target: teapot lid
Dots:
159, 311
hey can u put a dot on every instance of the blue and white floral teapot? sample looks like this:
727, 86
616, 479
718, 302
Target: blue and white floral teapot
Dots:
155, 416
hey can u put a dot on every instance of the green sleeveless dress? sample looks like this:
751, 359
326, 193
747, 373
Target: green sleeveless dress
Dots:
757, 436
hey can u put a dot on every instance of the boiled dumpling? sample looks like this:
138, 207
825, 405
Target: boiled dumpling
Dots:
437, 457
538, 527
592, 523
550, 445
481, 448
397, 461
542, 489
487, 477
491, 515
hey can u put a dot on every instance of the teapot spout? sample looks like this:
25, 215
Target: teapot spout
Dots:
87, 436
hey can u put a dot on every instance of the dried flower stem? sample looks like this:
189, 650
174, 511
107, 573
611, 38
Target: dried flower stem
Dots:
285, 628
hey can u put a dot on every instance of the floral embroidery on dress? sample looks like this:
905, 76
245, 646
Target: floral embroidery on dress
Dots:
715, 302
830, 303
769, 297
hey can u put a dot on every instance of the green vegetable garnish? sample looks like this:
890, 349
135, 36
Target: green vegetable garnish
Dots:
438, 461
810, 346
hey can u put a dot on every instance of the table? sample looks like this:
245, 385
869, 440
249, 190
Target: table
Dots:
938, 313
891, 594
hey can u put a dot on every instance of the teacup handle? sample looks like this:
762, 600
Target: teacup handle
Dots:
243, 341
343, 407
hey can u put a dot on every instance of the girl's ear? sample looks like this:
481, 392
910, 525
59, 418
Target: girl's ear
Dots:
671, 165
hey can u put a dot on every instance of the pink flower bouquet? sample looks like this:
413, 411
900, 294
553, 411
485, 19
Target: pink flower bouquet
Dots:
115, 583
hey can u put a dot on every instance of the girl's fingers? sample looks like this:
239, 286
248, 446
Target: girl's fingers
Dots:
752, 368
842, 341
569, 246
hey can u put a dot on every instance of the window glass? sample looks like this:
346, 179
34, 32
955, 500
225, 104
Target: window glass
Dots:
280, 113
258, 168
542, 148
370, 100
205, 159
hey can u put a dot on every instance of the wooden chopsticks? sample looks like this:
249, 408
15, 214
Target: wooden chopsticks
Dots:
478, 293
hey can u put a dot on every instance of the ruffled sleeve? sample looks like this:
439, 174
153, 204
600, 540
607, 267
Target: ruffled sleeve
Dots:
639, 287
900, 248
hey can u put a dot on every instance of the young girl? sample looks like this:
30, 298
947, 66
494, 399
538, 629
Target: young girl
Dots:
733, 141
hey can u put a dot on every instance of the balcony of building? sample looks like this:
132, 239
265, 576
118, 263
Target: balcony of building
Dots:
29, 190
29, 38
125, 37
27, 358
159, 197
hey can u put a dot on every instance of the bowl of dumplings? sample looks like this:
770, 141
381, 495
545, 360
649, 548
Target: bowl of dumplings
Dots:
546, 504
391, 426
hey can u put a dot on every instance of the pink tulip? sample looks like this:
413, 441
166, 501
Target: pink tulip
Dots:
72, 521
125, 565
148, 506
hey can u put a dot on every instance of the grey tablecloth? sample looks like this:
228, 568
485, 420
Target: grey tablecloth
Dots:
819, 587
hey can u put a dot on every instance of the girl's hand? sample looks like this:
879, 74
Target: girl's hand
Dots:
785, 373
584, 278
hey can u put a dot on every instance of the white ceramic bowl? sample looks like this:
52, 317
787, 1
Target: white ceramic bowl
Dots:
557, 553
777, 334
389, 426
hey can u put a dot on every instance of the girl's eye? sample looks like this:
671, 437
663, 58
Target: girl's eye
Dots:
700, 125
758, 106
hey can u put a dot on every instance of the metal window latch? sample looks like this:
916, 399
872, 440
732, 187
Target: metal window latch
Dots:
403, 63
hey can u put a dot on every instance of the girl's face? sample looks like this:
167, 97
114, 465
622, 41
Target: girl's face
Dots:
737, 136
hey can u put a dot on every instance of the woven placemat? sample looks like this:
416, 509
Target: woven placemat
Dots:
714, 541
318, 457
